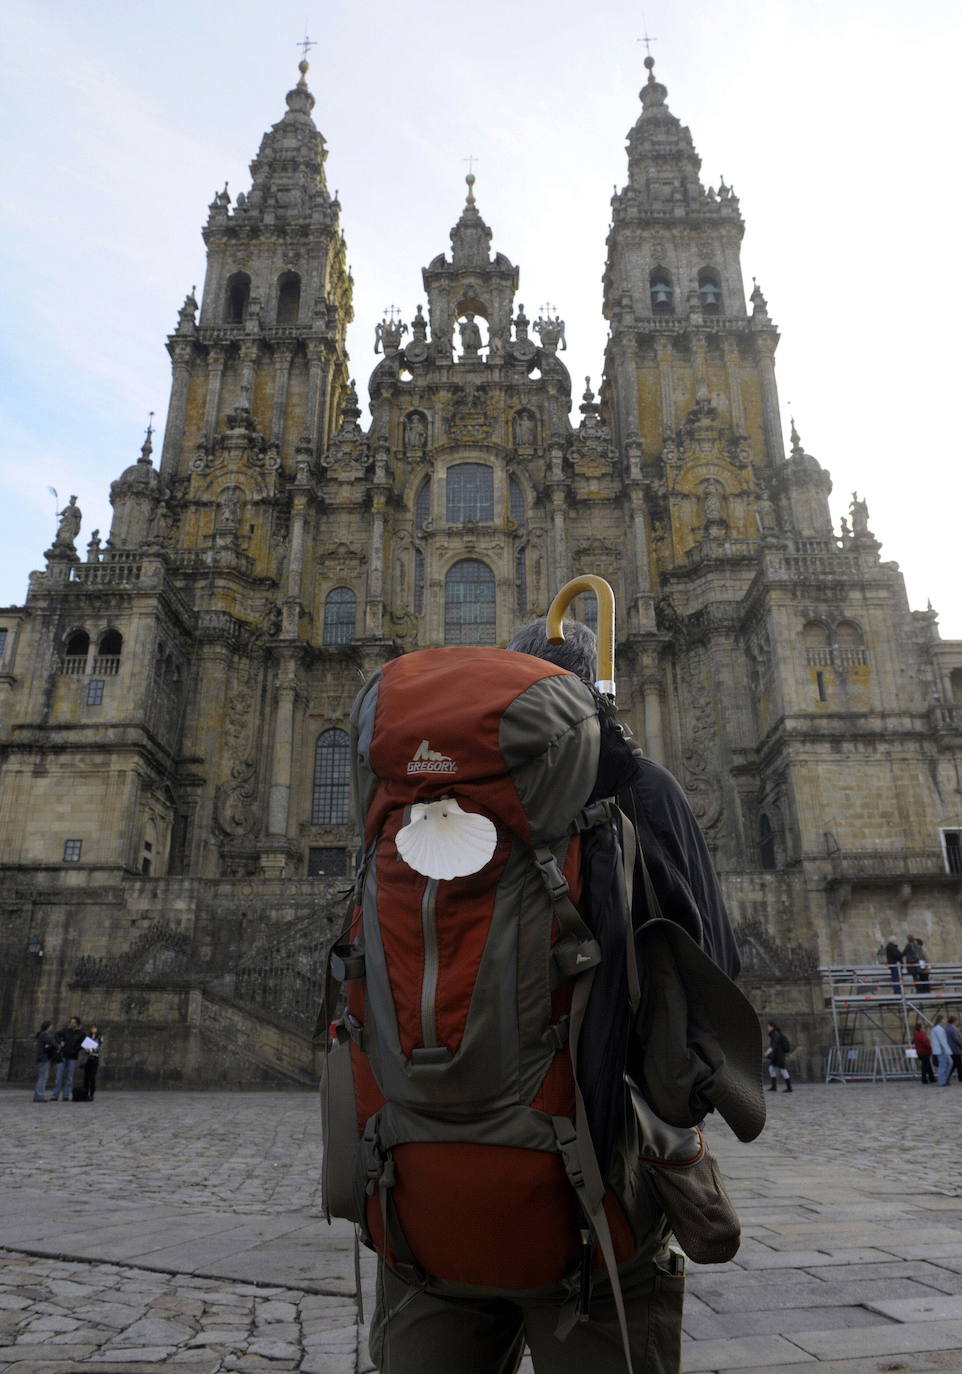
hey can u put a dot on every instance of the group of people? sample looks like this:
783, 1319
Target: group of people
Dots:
63, 1050
913, 957
941, 1050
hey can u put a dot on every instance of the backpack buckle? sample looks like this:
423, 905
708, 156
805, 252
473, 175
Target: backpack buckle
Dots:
551, 874
347, 963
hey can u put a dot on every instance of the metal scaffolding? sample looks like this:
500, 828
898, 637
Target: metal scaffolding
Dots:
867, 1004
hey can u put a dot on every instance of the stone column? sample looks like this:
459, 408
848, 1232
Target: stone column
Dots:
734, 386
665, 352
215, 377
651, 693
279, 797
641, 613
283, 354
315, 397
765, 353
556, 499
177, 411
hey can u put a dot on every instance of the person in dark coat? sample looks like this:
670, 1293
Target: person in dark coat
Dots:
893, 957
778, 1048
48, 1052
69, 1038
923, 1048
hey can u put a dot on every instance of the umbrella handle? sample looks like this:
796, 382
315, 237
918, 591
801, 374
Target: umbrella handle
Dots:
605, 597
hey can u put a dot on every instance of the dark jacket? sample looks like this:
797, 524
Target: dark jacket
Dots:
893, 955
675, 851
45, 1039
70, 1041
779, 1047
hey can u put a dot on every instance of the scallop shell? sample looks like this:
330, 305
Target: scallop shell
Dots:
442, 841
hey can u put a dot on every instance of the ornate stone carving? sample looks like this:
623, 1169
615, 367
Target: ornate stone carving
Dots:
468, 419
234, 801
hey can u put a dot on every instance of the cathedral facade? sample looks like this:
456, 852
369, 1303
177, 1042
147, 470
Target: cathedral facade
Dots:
174, 815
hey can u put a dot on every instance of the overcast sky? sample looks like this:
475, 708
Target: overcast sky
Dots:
835, 120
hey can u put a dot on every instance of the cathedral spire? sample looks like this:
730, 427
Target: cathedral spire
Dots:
470, 237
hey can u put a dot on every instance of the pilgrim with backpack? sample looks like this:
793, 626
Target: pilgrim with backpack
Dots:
531, 1013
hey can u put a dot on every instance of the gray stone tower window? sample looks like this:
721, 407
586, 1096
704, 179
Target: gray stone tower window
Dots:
766, 842
331, 778
418, 582
75, 653
952, 849
288, 298
238, 294
516, 499
469, 603
470, 493
340, 610
328, 862
709, 289
662, 292
3, 641
107, 660
422, 506
71, 851
95, 691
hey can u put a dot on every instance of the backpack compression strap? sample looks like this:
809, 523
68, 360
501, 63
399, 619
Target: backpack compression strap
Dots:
574, 1138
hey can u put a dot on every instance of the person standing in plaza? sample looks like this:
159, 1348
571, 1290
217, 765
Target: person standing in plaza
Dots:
778, 1048
923, 985
954, 1037
91, 1047
69, 1038
942, 1051
911, 955
893, 957
48, 1052
923, 1048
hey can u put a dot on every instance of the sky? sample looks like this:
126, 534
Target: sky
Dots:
834, 120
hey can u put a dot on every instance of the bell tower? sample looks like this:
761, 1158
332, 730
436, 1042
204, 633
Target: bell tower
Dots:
267, 354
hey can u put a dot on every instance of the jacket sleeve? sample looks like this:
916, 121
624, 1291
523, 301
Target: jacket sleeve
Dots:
682, 871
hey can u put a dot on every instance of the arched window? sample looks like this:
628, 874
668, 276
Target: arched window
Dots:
340, 610
331, 778
766, 842
107, 661
955, 686
422, 506
849, 645
709, 289
521, 581
288, 298
516, 502
418, 582
662, 291
469, 603
75, 653
238, 294
470, 493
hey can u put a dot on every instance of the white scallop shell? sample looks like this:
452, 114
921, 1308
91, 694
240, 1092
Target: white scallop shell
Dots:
442, 841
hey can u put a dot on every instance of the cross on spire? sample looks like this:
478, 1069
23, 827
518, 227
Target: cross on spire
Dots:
547, 309
306, 44
392, 312
471, 160
647, 39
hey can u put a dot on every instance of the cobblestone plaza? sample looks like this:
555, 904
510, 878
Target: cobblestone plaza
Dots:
183, 1231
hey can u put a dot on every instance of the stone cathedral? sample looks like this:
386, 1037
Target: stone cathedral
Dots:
174, 814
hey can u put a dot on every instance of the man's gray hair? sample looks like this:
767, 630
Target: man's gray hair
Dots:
578, 654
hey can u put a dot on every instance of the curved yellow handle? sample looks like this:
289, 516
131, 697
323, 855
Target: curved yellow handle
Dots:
554, 623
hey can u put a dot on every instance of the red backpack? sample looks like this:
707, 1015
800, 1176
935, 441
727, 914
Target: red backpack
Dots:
452, 1119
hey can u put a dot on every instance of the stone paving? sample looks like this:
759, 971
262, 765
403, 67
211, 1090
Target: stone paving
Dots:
182, 1231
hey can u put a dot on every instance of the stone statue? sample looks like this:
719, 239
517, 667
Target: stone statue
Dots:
859, 513
229, 509
388, 335
470, 335
93, 548
415, 432
714, 504
69, 528
524, 429
551, 332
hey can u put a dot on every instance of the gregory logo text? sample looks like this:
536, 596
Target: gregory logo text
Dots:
426, 760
